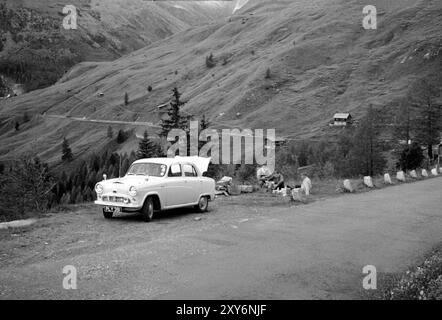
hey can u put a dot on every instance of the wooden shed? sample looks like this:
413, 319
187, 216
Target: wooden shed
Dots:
342, 119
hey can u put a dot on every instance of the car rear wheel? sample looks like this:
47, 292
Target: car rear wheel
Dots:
107, 214
147, 210
203, 204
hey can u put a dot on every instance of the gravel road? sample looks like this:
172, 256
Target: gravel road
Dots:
246, 247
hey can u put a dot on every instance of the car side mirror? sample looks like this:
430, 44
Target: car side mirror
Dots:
104, 176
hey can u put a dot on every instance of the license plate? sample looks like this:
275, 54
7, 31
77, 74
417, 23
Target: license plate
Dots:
112, 209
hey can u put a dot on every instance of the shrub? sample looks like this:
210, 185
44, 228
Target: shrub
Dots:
268, 73
411, 157
210, 61
26, 117
328, 170
26, 189
122, 136
246, 173
421, 283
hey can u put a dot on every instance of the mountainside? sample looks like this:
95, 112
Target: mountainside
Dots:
321, 61
36, 50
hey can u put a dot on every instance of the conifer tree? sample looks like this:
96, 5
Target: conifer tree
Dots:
110, 132
428, 119
367, 157
404, 126
147, 148
174, 120
121, 137
268, 73
204, 123
66, 151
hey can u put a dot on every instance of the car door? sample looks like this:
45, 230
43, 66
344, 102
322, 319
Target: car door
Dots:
174, 186
192, 184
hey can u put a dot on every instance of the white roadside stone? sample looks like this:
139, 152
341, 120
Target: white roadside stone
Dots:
424, 173
387, 179
434, 172
347, 186
298, 195
413, 174
400, 175
368, 181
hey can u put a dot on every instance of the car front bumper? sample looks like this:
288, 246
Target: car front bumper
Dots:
123, 201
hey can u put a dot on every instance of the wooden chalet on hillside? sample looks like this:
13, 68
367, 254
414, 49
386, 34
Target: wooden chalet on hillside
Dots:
342, 119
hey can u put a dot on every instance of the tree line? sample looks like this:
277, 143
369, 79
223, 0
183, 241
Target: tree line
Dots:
367, 148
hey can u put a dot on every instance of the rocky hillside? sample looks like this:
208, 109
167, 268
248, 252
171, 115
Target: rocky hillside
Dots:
36, 50
320, 61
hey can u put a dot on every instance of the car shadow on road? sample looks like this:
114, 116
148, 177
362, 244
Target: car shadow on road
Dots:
163, 217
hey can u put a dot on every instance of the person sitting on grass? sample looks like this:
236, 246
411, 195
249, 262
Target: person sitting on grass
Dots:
263, 174
262, 180
278, 180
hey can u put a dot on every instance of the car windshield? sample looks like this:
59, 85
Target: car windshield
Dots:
147, 169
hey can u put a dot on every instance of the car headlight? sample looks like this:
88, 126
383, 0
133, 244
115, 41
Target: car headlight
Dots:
98, 188
133, 191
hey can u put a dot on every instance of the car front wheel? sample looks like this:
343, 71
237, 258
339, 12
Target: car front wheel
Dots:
147, 210
203, 204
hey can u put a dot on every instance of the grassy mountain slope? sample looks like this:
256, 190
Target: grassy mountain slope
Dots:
36, 50
321, 61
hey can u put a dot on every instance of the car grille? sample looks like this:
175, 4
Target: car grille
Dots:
113, 199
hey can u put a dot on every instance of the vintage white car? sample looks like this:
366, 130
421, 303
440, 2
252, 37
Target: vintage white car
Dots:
156, 184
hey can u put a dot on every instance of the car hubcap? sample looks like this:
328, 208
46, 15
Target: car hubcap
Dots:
203, 203
150, 210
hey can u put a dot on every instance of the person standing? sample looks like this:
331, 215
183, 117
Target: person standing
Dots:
306, 185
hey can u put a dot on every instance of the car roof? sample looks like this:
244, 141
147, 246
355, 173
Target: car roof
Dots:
166, 161
201, 164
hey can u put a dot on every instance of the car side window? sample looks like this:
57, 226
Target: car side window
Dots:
189, 171
175, 170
